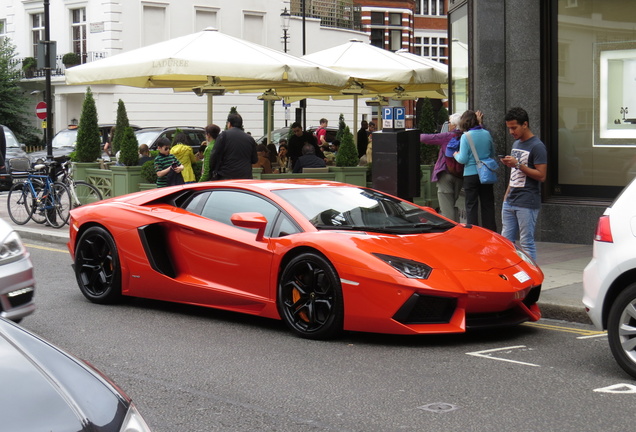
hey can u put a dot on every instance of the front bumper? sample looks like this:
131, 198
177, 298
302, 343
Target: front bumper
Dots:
18, 288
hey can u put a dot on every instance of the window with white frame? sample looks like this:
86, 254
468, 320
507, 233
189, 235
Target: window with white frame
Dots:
430, 7
37, 31
432, 47
253, 28
78, 31
395, 43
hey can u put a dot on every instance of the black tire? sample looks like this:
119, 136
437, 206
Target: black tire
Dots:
38, 214
60, 208
97, 266
621, 329
310, 297
17, 207
85, 193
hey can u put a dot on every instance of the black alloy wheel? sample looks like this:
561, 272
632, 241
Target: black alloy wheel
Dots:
310, 297
97, 266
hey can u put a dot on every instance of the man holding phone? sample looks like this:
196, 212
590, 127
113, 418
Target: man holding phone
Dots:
528, 161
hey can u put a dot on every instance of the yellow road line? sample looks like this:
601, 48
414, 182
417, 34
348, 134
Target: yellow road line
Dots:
565, 329
32, 246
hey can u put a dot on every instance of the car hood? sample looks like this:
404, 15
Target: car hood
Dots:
459, 249
58, 152
46, 389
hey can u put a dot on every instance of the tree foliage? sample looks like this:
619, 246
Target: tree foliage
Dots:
89, 139
347, 155
129, 152
427, 123
14, 102
341, 127
120, 124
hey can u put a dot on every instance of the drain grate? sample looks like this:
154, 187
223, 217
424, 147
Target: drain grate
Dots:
439, 407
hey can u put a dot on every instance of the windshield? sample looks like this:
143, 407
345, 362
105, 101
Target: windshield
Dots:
12, 141
363, 210
147, 137
65, 138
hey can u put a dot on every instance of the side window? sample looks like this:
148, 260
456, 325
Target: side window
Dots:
223, 204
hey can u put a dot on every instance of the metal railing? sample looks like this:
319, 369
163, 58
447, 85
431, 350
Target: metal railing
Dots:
58, 68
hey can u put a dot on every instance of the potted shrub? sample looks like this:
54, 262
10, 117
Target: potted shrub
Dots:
347, 169
127, 173
88, 142
70, 59
29, 65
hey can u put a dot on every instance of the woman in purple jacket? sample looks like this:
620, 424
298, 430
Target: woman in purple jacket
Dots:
448, 173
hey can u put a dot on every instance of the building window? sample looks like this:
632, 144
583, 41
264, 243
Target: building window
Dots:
205, 19
78, 30
154, 18
253, 29
433, 47
396, 40
395, 19
37, 31
430, 7
594, 144
377, 38
377, 18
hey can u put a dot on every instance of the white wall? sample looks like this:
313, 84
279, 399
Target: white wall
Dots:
123, 28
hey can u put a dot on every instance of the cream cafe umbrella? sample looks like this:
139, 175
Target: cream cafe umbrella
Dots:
376, 71
209, 62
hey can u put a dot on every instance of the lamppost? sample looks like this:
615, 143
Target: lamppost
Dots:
284, 21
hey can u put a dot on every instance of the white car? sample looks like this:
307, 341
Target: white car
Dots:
609, 280
17, 284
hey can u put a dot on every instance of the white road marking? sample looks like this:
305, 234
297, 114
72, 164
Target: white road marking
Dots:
617, 388
593, 336
484, 354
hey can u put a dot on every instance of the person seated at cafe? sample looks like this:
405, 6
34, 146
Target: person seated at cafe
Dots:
298, 139
283, 159
263, 159
330, 157
308, 159
144, 154
272, 153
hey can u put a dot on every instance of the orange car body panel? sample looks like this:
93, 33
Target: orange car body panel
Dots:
226, 267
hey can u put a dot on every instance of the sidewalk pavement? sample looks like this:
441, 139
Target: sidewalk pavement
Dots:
562, 265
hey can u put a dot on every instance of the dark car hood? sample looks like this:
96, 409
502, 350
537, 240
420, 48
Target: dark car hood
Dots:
46, 389
59, 153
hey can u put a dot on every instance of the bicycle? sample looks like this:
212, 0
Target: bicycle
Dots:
37, 197
81, 192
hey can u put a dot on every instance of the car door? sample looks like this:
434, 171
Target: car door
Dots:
224, 264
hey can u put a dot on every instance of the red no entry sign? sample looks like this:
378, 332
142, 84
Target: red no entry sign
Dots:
40, 110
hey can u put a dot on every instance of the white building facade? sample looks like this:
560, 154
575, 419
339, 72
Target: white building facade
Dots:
100, 28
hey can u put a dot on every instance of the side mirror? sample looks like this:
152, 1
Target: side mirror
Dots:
252, 221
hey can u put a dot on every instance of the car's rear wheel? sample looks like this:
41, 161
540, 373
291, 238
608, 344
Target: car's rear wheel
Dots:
621, 329
97, 266
310, 297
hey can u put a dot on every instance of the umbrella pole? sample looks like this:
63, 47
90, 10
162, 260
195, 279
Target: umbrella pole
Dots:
355, 118
210, 106
270, 114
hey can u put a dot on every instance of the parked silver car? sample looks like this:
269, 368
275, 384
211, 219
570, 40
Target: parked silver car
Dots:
17, 283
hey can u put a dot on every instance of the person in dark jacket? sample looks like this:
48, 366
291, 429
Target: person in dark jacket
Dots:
298, 139
234, 152
309, 159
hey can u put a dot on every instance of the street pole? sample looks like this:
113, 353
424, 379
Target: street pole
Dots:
48, 92
303, 102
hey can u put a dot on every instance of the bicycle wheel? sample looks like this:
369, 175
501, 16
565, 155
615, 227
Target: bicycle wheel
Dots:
58, 205
84, 193
17, 208
37, 205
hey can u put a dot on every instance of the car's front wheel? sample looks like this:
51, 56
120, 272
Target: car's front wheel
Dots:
310, 297
97, 266
621, 329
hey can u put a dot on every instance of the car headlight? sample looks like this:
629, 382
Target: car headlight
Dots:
409, 268
524, 256
11, 248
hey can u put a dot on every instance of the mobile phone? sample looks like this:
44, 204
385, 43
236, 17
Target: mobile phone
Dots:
175, 164
501, 156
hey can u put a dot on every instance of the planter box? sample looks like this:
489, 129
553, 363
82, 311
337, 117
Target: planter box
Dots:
79, 169
126, 179
353, 175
